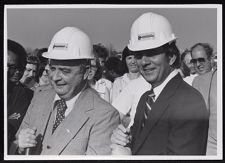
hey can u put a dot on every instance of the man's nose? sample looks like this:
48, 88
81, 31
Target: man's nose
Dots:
56, 75
17, 71
145, 60
198, 63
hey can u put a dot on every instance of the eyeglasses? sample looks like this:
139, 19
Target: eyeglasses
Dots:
14, 68
200, 60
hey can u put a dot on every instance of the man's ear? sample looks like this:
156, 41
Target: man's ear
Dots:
172, 59
87, 71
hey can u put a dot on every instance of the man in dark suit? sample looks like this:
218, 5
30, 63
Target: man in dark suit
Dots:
171, 118
18, 96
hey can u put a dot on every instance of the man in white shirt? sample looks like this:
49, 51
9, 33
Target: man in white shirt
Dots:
71, 118
171, 118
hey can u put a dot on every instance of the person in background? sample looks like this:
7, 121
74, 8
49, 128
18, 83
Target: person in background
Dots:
68, 118
113, 68
202, 55
42, 76
18, 96
96, 82
131, 73
16, 61
101, 54
190, 69
206, 84
29, 76
171, 118
96, 78
126, 102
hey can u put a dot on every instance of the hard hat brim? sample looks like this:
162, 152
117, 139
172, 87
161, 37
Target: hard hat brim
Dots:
147, 45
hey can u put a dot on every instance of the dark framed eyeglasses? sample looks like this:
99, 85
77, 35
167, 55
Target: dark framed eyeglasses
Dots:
15, 68
200, 60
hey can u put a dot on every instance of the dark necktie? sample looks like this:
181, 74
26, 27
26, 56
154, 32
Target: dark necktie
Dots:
149, 101
61, 108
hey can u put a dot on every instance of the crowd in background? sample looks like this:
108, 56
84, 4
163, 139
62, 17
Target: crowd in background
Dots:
110, 76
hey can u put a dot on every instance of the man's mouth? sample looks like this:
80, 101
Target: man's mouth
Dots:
148, 70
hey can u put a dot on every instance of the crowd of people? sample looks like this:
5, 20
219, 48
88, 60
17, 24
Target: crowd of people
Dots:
72, 98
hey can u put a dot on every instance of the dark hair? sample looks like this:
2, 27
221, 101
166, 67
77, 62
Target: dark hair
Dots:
114, 63
98, 73
100, 51
208, 49
126, 52
43, 60
173, 50
32, 59
18, 49
184, 54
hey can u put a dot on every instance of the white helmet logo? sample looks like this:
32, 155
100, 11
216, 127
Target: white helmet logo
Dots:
60, 46
146, 36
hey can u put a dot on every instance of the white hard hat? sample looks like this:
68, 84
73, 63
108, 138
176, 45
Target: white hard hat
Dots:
150, 31
70, 43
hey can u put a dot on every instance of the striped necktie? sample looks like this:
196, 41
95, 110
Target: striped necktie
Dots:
149, 101
61, 108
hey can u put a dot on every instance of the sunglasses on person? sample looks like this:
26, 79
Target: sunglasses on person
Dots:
15, 68
200, 60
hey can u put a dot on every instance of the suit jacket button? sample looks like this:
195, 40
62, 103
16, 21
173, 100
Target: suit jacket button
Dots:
48, 147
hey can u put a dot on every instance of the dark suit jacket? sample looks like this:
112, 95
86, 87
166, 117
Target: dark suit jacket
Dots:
18, 100
86, 130
178, 122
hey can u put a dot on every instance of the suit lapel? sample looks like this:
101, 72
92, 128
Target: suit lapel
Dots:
158, 108
71, 125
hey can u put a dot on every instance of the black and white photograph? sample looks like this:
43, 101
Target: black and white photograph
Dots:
113, 82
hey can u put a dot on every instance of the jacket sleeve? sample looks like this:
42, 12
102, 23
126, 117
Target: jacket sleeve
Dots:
100, 135
25, 124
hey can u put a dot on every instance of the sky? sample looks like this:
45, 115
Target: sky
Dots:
34, 27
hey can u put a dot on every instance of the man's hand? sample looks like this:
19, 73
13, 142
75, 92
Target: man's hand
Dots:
26, 139
120, 136
120, 150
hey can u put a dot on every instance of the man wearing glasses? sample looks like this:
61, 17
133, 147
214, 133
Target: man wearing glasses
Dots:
18, 96
202, 54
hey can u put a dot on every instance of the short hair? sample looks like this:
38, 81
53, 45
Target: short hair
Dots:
207, 47
184, 54
173, 50
31, 59
18, 49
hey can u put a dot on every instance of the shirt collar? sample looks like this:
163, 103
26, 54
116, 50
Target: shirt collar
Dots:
157, 90
70, 102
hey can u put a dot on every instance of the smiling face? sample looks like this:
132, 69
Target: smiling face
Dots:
202, 63
67, 80
155, 68
131, 64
